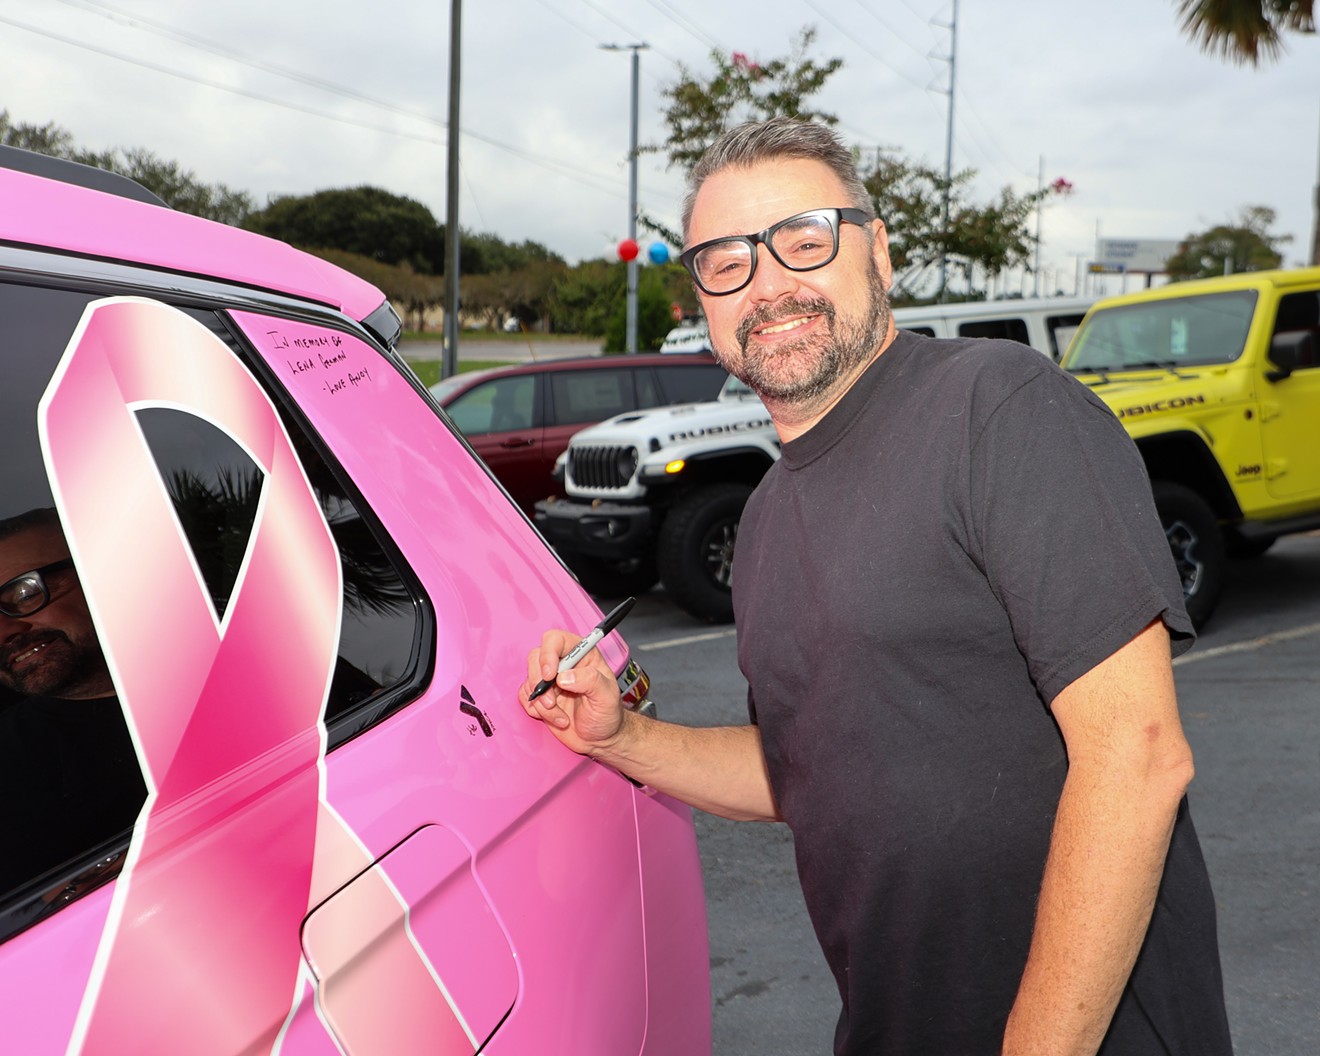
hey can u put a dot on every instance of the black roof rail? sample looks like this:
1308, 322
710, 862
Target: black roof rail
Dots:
76, 173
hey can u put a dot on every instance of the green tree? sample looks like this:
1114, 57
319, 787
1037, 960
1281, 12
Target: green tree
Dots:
368, 221
412, 293
700, 109
1245, 31
177, 187
1230, 248
653, 318
585, 298
909, 197
483, 253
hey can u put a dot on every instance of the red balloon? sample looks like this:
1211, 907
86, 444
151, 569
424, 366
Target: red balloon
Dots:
628, 249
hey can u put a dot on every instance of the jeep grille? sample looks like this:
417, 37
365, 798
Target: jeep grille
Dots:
601, 467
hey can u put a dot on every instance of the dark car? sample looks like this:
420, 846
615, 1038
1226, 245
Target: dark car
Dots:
520, 418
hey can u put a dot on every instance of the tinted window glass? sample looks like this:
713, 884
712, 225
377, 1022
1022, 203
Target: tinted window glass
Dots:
496, 407
1011, 329
692, 382
1061, 329
591, 395
927, 330
70, 783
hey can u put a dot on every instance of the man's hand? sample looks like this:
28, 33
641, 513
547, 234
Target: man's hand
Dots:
719, 769
582, 706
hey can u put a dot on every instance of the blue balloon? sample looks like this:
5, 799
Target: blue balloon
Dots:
658, 252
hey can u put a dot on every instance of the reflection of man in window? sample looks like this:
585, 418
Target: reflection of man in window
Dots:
69, 777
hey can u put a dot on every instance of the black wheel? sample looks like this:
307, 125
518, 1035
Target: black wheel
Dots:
1197, 546
613, 579
695, 551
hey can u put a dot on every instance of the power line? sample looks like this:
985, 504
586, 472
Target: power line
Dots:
595, 179
154, 68
161, 29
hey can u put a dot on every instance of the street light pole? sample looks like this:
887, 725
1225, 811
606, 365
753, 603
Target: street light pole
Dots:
631, 306
449, 360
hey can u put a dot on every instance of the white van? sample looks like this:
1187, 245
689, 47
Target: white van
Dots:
1046, 324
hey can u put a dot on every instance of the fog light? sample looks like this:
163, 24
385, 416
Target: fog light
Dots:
675, 466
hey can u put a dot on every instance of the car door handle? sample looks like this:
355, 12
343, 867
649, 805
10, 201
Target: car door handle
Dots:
517, 441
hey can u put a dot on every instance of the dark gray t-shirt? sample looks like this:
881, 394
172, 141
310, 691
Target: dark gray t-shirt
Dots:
964, 534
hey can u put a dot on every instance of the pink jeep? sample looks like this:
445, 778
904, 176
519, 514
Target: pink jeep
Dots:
266, 784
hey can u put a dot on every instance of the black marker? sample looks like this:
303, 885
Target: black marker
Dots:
587, 644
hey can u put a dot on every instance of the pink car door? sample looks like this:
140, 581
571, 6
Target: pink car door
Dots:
316, 608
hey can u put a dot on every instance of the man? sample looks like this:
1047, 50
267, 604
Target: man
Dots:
955, 607
69, 777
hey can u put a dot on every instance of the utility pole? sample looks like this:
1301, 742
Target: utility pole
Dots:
630, 339
449, 361
952, 59
1315, 229
1040, 189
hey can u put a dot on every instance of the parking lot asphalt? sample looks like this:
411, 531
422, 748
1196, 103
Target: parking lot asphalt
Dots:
1249, 701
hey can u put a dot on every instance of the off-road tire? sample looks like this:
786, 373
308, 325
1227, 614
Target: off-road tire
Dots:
695, 550
1197, 545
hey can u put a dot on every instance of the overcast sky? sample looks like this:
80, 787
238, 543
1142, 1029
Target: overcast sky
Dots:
292, 96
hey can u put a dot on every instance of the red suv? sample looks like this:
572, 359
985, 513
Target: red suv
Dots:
520, 418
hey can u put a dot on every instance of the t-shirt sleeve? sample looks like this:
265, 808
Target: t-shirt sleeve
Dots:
1064, 524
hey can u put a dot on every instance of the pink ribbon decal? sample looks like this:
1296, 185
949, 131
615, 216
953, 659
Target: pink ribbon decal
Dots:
201, 950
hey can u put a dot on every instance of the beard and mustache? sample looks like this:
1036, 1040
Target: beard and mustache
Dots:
61, 668
804, 371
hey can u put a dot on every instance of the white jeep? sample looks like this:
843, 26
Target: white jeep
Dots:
658, 495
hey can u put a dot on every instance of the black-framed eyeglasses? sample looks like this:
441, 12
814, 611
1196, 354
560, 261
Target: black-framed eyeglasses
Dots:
803, 242
28, 593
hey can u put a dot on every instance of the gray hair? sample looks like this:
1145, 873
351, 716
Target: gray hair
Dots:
780, 137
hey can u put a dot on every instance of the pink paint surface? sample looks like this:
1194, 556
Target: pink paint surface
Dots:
98, 225
424, 886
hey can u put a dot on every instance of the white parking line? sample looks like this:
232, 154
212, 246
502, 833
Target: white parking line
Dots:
1249, 644
688, 640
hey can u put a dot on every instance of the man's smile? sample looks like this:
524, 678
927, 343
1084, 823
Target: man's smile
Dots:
25, 652
786, 325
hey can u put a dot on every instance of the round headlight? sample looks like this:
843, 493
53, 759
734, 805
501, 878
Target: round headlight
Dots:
627, 463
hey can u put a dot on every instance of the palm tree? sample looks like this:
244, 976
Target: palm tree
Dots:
1245, 31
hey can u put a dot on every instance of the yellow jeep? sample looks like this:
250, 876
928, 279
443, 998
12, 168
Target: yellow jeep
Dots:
1218, 382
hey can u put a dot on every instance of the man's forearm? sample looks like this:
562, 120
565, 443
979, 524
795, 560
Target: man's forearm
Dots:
719, 769
1111, 836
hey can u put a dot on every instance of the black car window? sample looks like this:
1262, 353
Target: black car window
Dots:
1061, 329
71, 786
1010, 329
691, 382
591, 395
496, 406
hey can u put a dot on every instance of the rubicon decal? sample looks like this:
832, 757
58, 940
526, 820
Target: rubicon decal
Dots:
1174, 403
720, 430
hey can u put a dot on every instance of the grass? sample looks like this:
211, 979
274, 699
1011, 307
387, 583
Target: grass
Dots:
493, 337
428, 370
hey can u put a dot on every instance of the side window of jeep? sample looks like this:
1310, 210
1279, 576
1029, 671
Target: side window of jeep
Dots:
71, 785
1298, 315
1010, 329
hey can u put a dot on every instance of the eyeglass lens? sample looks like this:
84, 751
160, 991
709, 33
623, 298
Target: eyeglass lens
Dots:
800, 244
28, 593
23, 594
